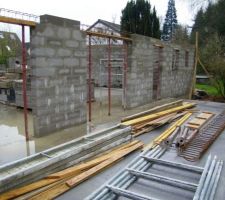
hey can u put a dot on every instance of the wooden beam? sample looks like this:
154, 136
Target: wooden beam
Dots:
167, 132
10, 20
64, 187
58, 176
103, 35
157, 115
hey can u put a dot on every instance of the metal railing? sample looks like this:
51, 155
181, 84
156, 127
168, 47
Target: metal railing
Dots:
19, 15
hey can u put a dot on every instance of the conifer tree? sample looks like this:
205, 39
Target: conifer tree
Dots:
137, 17
170, 24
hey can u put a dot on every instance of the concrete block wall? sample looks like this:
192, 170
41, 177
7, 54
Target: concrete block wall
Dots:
59, 67
99, 73
173, 83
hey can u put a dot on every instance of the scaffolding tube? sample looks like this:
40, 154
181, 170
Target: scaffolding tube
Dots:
24, 83
109, 76
125, 46
89, 79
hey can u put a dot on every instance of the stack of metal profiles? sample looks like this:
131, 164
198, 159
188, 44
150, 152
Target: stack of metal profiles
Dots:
39, 165
125, 183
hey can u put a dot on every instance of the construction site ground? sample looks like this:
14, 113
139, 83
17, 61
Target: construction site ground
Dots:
151, 188
13, 145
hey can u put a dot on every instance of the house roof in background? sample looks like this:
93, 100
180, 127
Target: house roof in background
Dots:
111, 25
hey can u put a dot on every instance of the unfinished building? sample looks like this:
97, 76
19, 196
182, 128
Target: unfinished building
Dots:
155, 70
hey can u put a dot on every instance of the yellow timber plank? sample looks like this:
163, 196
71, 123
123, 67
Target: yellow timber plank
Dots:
77, 169
10, 20
63, 187
157, 115
167, 132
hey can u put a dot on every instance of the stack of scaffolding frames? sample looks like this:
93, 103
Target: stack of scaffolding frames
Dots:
118, 185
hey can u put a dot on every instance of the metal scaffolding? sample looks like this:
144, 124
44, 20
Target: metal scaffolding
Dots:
109, 38
22, 19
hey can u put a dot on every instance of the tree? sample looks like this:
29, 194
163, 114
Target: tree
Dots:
155, 25
137, 17
181, 35
170, 23
210, 24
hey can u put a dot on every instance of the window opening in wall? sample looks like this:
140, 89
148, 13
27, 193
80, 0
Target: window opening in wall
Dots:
175, 59
186, 58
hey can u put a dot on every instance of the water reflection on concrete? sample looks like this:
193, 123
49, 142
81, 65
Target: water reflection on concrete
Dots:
13, 145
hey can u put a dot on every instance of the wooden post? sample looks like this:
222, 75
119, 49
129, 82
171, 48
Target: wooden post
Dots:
192, 89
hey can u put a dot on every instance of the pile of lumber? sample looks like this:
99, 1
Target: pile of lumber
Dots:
34, 167
168, 132
181, 135
62, 181
145, 123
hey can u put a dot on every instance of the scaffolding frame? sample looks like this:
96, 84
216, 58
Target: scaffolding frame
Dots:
109, 38
22, 19
103, 74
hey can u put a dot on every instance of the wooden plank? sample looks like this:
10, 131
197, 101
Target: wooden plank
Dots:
197, 121
104, 164
205, 115
77, 169
167, 132
192, 126
157, 115
63, 187
154, 110
104, 35
10, 20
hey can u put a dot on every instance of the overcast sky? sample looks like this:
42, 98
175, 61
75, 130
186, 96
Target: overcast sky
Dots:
88, 11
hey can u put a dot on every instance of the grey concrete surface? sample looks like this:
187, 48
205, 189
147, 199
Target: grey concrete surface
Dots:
154, 189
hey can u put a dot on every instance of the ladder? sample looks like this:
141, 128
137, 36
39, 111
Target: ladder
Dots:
119, 186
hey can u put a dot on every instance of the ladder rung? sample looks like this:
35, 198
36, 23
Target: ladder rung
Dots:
164, 180
129, 194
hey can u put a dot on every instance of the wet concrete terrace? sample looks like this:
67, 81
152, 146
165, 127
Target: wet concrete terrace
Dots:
13, 145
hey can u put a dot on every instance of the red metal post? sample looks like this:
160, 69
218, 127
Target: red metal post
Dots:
125, 74
24, 83
89, 79
109, 76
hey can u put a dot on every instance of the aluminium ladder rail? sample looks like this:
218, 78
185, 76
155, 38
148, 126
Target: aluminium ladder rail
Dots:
117, 186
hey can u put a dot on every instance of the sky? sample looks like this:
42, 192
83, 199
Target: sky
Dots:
88, 11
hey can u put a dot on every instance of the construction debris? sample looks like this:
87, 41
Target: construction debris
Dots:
60, 182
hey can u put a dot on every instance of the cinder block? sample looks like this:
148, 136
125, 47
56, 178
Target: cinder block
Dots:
71, 44
63, 33
62, 52
71, 62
